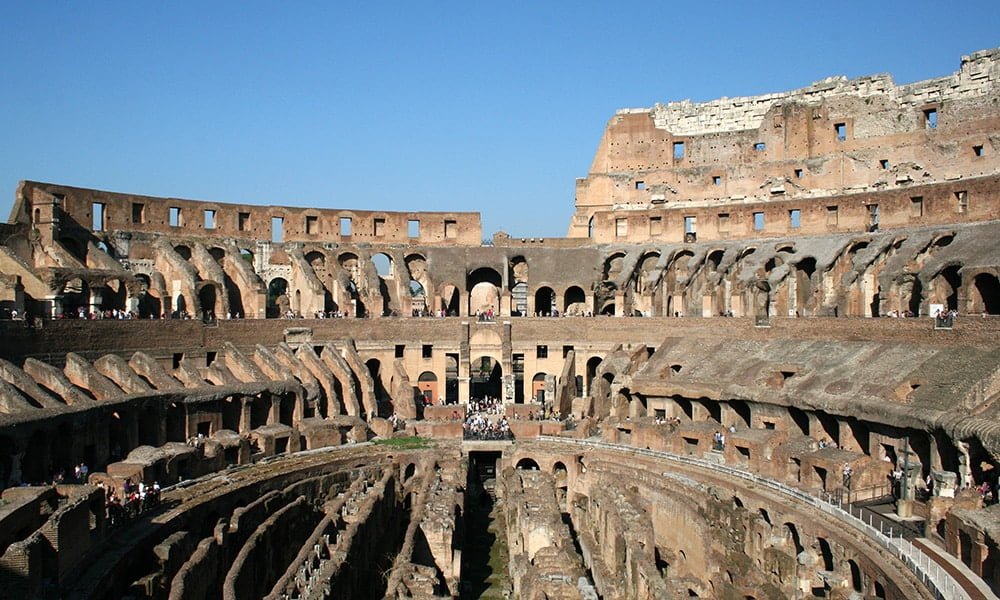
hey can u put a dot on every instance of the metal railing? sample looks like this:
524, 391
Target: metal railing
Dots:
937, 580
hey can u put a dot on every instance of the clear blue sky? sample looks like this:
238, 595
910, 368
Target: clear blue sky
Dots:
485, 106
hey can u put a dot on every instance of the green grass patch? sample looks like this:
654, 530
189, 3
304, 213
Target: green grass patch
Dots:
404, 443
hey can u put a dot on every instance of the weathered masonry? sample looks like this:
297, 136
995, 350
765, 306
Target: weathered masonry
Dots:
764, 364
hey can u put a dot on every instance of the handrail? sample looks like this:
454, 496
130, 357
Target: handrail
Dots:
938, 581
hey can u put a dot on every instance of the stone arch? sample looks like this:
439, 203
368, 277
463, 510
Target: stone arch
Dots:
484, 290
985, 294
451, 300
384, 265
945, 286
486, 377
538, 387
209, 299
792, 535
183, 250
383, 399
574, 301
277, 297
527, 464
427, 383
857, 578
593, 364
613, 265
826, 554
545, 301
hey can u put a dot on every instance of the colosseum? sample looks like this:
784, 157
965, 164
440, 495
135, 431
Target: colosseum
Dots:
763, 363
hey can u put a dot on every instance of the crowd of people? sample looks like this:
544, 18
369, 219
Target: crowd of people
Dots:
479, 426
135, 499
486, 406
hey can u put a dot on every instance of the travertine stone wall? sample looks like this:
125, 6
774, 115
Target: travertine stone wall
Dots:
835, 142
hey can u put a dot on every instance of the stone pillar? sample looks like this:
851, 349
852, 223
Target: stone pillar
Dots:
559, 303
96, 298
56, 303
506, 300
619, 303
464, 364
245, 411
274, 415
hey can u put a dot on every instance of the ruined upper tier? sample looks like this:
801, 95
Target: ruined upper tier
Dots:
813, 160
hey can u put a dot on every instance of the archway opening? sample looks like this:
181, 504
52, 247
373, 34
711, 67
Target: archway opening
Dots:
575, 301
545, 302
538, 388
527, 464
277, 298
987, 298
487, 379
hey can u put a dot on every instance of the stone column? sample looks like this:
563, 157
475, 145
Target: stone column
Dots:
274, 414
96, 298
245, 411
464, 364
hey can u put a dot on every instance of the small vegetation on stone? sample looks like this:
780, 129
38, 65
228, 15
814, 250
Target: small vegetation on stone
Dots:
407, 443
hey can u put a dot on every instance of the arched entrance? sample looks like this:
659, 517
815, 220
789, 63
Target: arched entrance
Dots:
592, 364
486, 379
450, 300
484, 291
277, 297
208, 298
538, 388
427, 383
545, 301
575, 301
382, 397
986, 296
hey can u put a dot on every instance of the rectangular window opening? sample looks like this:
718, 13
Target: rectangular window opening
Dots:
243, 221
678, 150
872, 217
931, 118
978, 150
345, 226
655, 226
917, 206
209, 358
138, 212
427, 350
567, 350
798, 173
175, 217
542, 352
640, 185
277, 230
98, 213
759, 147
841, 130
178, 357
723, 220
795, 218
621, 227
962, 198
209, 219
831, 215
413, 228
758, 221
716, 180
400, 349
884, 163
450, 229
312, 225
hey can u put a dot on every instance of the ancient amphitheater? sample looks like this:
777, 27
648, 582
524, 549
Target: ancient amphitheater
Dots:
764, 363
